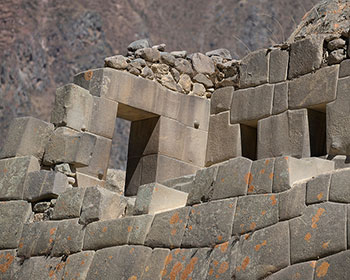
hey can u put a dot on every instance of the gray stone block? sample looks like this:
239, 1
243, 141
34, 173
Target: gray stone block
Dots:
344, 69
171, 183
8, 264
340, 161
264, 252
109, 233
255, 212
127, 262
280, 98
26, 136
261, 178
14, 174
155, 264
41, 268
68, 204
252, 104
13, 214
115, 180
284, 134
338, 121
254, 69
77, 265
315, 89
73, 107
176, 262
69, 146
197, 267
318, 189
101, 204
156, 198
303, 271
140, 228
85, 181
43, 184
339, 190
333, 267
221, 100
224, 139
195, 146
319, 232
37, 239
203, 64
168, 228
210, 223
68, 239
305, 56
278, 67
292, 202
232, 179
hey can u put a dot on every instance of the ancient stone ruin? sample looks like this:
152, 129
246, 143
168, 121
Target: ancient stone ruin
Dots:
237, 169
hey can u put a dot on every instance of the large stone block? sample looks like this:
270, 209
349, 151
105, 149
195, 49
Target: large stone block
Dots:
100, 204
14, 173
140, 228
73, 107
221, 100
8, 264
155, 264
280, 98
68, 204
263, 252
261, 179
85, 181
289, 170
37, 238
255, 212
155, 198
224, 139
292, 202
69, 146
315, 89
333, 267
168, 228
210, 223
338, 119
68, 239
254, 69
319, 232
77, 265
195, 146
318, 189
284, 134
339, 190
98, 164
13, 215
303, 271
26, 136
344, 69
278, 67
252, 104
44, 184
125, 262
305, 56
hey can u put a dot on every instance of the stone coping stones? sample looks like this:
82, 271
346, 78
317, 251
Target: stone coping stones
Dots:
210, 223
14, 173
263, 252
128, 262
27, 136
13, 214
156, 198
320, 231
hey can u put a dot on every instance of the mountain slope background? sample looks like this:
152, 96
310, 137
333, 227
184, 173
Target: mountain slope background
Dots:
43, 43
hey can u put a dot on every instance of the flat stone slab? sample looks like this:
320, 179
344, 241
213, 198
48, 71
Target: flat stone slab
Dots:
320, 231
210, 223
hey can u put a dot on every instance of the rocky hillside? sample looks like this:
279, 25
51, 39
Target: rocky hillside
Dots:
44, 43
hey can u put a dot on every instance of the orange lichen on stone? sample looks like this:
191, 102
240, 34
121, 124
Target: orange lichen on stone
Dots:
271, 175
251, 189
50, 240
132, 250
189, 268
9, 260
248, 178
322, 270
51, 273
88, 75
104, 229
273, 199
316, 218
211, 271
245, 263
307, 236
252, 226
223, 247
190, 227
262, 171
325, 245
173, 231
223, 267
52, 231
246, 236
110, 257
257, 247
129, 228
313, 264
220, 237
263, 212
82, 263
177, 251
69, 238
267, 162
20, 245
320, 195
215, 262
174, 218
60, 266
175, 271
133, 277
